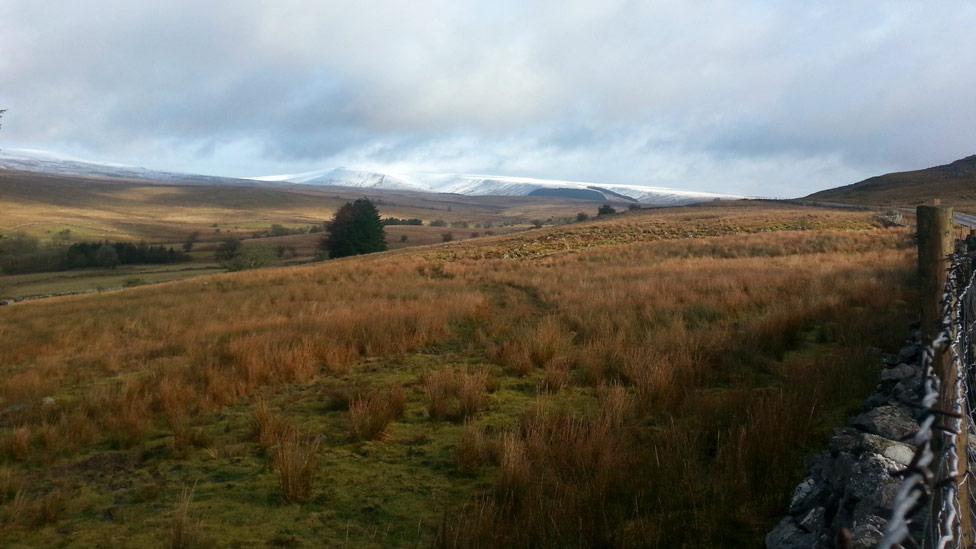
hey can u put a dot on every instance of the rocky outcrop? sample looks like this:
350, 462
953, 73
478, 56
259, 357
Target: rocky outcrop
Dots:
849, 488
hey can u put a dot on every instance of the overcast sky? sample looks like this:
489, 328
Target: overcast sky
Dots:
762, 98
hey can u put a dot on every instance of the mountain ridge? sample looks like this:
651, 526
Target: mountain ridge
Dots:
954, 183
443, 183
503, 185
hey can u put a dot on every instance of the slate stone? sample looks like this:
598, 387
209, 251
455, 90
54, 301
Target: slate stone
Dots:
899, 372
805, 496
788, 535
868, 531
891, 422
815, 520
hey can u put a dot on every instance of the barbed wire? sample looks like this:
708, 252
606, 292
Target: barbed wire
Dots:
927, 501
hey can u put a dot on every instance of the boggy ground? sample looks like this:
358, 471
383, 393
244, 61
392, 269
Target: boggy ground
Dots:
654, 379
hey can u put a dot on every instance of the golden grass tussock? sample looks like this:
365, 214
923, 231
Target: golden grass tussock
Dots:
454, 394
296, 461
372, 413
267, 427
184, 529
475, 449
26, 511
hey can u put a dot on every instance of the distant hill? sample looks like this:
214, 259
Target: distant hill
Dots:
500, 185
26, 160
954, 184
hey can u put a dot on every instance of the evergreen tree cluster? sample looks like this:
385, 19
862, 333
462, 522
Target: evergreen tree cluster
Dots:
110, 254
356, 229
21, 253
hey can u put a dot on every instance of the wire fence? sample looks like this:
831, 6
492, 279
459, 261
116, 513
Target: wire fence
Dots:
927, 509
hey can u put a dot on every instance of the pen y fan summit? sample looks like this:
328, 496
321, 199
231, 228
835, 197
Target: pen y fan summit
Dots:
464, 184
500, 185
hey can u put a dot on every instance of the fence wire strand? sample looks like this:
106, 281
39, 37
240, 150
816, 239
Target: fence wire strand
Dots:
926, 508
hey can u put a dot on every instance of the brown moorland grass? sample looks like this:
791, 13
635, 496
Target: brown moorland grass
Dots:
371, 414
691, 360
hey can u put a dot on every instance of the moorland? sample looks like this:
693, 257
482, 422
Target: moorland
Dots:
647, 378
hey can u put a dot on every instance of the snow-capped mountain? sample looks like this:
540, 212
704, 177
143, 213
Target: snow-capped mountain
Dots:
345, 177
465, 184
30, 160
527, 186
483, 185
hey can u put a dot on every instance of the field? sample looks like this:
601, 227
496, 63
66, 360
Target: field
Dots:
652, 379
96, 209
75, 209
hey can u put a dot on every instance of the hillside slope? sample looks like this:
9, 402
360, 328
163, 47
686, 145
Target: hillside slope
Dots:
418, 397
42, 204
954, 184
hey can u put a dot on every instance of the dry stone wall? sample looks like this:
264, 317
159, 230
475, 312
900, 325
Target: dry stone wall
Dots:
846, 497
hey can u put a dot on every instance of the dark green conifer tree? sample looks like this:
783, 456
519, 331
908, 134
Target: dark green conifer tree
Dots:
355, 229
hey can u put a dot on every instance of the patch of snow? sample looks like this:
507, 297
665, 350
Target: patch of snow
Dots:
465, 184
494, 185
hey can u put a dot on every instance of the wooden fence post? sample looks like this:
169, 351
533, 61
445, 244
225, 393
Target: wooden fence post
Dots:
935, 248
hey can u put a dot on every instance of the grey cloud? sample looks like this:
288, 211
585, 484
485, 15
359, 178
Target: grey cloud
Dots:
754, 97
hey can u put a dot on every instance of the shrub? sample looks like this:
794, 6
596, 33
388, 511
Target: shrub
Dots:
191, 240
228, 249
582, 216
398, 221
447, 237
606, 209
250, 257
285, 252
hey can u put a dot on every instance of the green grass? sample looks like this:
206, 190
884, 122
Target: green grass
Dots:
392, 492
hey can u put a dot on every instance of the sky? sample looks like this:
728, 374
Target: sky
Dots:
758, 98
